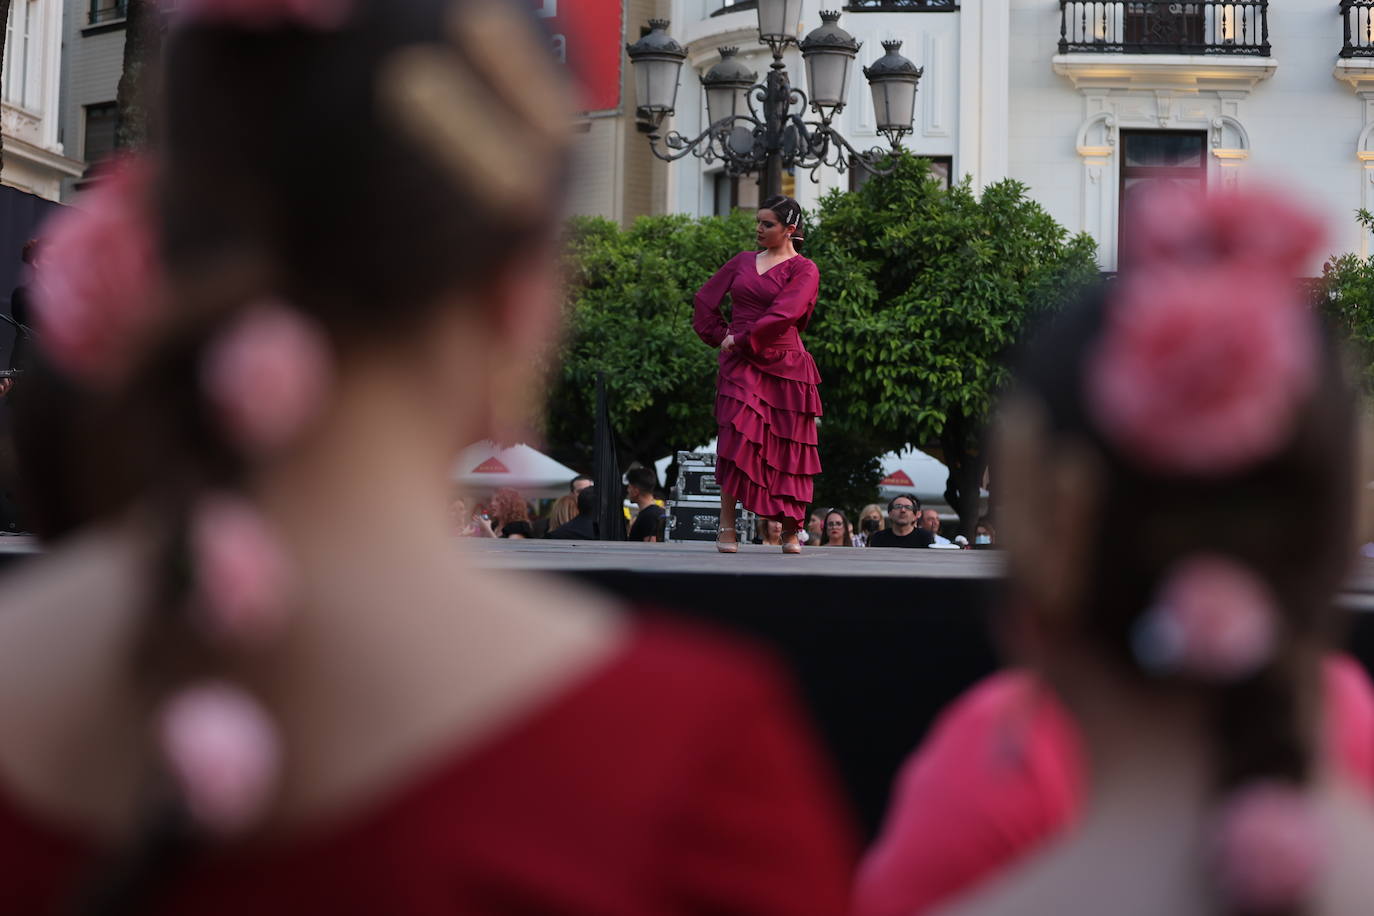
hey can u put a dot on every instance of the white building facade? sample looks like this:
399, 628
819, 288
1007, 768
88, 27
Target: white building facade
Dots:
1083, 100
34, 155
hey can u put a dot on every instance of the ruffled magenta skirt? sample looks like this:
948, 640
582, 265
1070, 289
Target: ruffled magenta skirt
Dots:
766, 452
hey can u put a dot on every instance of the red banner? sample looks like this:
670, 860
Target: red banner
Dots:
588, 36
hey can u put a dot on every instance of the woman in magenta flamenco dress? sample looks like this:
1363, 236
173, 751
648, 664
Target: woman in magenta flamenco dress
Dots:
766, 397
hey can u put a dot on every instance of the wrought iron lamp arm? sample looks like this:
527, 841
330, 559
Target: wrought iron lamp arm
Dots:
701, 144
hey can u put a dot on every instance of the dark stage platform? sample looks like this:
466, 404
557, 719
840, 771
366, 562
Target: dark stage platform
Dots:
879, 640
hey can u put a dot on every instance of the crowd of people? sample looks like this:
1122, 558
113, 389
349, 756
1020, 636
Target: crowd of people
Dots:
572, 516
252, 672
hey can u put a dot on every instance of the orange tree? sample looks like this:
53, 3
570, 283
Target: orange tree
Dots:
924, 291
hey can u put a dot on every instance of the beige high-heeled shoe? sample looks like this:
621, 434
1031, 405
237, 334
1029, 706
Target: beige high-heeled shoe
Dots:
793, 546
727, 546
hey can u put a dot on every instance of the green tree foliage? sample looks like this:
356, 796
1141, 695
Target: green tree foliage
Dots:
629, 315
1345, 293
923, 292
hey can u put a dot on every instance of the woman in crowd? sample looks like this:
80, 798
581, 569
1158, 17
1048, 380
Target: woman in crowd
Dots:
1161, 440
768, 532
871, 521
766, 397
510, 514
564, 510
273, 683
984, 534
836, 531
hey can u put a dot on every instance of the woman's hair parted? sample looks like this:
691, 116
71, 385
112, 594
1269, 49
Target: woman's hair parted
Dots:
1208, 463
407, 151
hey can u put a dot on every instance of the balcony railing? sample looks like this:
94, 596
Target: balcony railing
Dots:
1166, 26
902, 6
1359, 28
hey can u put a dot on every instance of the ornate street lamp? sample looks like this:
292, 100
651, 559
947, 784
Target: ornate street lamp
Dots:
893, 80
828, 51
758, 127
779, 22
657, 58
727, 86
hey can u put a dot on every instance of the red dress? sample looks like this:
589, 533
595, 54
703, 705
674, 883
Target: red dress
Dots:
766, 398
674, 779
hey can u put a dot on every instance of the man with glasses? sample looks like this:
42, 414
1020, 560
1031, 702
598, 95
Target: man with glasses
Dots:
902, 530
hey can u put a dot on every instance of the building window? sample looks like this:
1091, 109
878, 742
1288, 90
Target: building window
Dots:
941, 167
735, 6
108, 10
1177, 158
18, 89
725, 193
100, 131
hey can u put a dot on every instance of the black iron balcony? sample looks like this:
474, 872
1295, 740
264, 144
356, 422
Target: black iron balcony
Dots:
1166, 26
1359, 28
902, 6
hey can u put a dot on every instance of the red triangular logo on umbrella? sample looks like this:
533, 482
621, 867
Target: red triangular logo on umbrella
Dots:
491, 466
897, 479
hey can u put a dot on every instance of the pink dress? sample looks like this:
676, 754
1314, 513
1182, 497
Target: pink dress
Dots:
766, 398
1004, 771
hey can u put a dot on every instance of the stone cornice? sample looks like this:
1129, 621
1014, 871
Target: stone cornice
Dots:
1164, 71
1357, 71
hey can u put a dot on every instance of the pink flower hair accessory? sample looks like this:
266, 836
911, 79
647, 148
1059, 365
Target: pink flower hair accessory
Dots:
223, 752
321, 15
1260, 230
1212, 619
1201, 371
1270, 848
96, 282
267, 376
243, 579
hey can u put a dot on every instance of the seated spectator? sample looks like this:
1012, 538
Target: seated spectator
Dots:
640, 483
815, 527
930, 521
768, 532
564, 510
836, 530
902, 530
984, 534
583, 526
871, 521
579, 483
510, 515
461, 518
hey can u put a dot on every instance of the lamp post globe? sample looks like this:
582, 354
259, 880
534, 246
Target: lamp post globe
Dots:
657, 59
893, 80
828, 52
726, 86
779, 22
